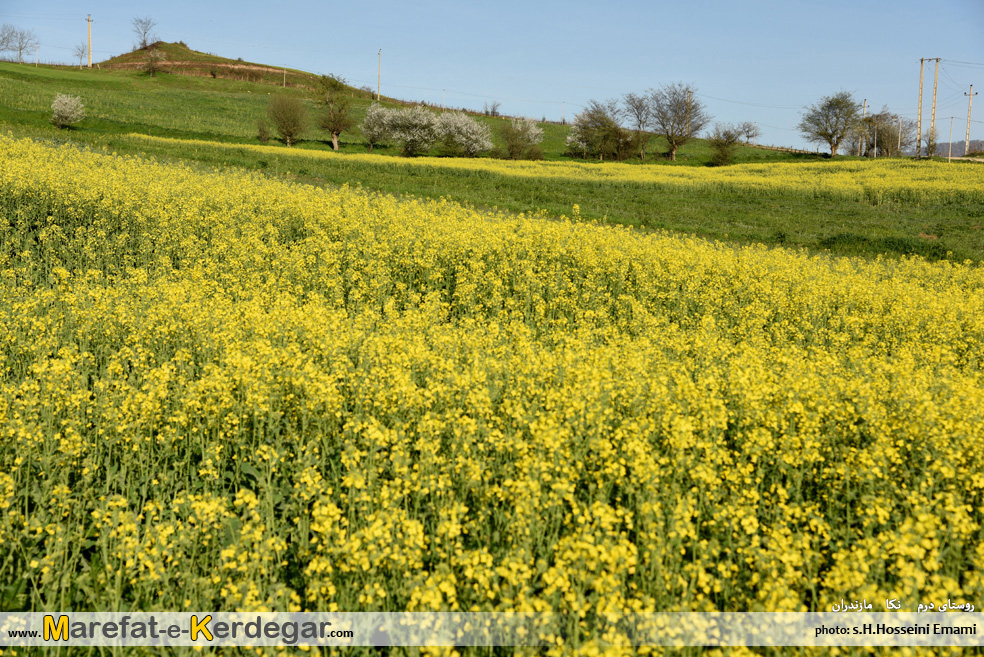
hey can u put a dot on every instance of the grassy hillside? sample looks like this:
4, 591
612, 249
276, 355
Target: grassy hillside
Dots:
122, 101
187, 101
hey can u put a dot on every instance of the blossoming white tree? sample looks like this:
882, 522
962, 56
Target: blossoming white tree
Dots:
67, 110
415, 129
376, 127
463, 135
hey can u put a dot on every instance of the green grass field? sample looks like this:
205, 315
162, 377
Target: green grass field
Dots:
224, 109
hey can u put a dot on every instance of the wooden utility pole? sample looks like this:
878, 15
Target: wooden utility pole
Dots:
379, 73
899, 151
970, 101
919, 118
89, 21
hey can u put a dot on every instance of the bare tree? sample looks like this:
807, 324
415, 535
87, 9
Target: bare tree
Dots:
881, 131
143, 27
81, 51
831, 120
23, 40
7, 33
677, 114
750, 131
640, 115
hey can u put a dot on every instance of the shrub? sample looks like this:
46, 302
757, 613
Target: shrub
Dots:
154, 63
415, 129
520, 136
67, 110
263, 131
724, 143
288, 116
463, 135
376, 125
597, 132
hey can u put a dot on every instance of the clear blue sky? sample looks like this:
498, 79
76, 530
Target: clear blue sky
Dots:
756, 60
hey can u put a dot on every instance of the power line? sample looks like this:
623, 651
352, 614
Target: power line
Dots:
950, 77
739, 102
473, 95
958, 63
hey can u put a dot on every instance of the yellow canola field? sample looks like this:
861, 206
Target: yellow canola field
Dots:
219, 391
876, 181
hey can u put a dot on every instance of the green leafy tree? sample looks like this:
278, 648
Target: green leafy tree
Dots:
522, 138
288, 116
332, 93
597, 131
831, 120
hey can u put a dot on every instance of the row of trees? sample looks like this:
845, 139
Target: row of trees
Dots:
16, 40
618, 128
838, 120
621, 128
415, 129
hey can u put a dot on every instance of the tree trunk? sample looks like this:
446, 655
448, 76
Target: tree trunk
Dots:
673, 150
334, 140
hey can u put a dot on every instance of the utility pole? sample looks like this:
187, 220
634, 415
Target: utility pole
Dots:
949, 153
932, 119
444, 93
899, 151
876, 141
689, 93
563, 105
89, 21
379, 73
970, 101
755, 134
864, 107
285, 77
919, 118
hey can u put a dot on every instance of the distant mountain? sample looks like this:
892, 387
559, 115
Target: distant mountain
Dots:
976, 146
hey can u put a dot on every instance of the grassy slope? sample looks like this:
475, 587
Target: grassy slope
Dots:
225, 109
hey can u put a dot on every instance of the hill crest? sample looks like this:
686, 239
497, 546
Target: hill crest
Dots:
180, 59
